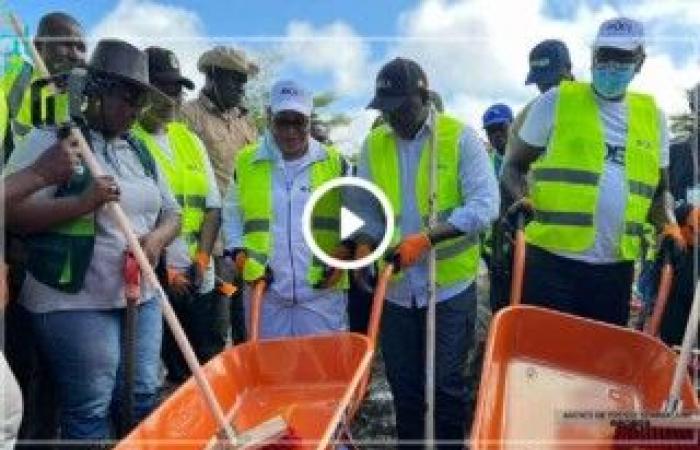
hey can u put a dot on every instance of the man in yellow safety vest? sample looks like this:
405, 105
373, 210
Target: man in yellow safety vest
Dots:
598, 154
183, 160
396, 157
61, 45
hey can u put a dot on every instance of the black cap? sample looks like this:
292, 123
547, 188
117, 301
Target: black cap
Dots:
396, 81
547, 61
164, 67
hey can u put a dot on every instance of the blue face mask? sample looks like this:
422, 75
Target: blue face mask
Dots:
611, 81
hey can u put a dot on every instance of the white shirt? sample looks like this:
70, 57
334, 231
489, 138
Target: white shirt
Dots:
536, 131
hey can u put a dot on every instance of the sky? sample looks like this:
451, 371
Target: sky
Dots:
473, 51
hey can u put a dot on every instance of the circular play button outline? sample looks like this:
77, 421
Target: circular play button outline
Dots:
320, 192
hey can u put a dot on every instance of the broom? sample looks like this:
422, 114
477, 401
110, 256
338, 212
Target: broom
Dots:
671, 432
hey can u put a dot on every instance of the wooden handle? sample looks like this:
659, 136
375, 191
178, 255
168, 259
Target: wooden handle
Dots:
115, 210
255, 307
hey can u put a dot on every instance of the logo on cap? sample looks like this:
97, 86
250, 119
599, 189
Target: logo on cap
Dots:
289, 91
542, 62
384, 83
619, 25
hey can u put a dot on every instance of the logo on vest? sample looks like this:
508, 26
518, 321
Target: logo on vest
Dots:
643, 144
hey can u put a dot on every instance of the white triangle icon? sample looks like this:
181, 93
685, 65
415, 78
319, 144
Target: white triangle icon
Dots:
349, 223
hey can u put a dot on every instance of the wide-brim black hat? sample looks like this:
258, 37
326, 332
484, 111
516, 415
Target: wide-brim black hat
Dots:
119, 59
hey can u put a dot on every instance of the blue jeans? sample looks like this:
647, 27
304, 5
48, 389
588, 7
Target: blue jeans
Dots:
84, 352
403, 349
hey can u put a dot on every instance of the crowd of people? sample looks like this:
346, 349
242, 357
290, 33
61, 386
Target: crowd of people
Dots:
215, 200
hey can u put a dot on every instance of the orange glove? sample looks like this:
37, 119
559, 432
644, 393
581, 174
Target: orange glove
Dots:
412, 248
202, 259
239, 262
177, 281
199, 268
691, 227
673, 232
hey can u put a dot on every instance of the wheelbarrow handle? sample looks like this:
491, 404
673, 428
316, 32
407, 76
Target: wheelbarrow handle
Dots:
378, 303
653, 325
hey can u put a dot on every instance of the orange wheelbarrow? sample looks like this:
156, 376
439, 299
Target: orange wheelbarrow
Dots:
553, 380
314, 383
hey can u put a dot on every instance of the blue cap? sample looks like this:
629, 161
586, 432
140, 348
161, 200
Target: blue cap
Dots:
498, 113
547, 61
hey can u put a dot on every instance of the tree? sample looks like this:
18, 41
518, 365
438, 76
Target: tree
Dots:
323, 121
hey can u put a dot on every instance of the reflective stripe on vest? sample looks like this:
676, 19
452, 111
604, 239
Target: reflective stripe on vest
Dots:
186, 174
458, 258
254, 183
566, 189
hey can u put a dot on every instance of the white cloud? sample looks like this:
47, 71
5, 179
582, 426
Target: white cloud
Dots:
348, 138
145, 23
335, 49
475, 51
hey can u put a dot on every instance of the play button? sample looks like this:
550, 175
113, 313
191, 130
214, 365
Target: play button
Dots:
351, 222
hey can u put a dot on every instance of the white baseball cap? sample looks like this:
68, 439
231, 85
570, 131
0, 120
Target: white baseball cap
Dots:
622, 33
287, 95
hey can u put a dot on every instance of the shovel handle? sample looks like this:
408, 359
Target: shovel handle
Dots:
255, 306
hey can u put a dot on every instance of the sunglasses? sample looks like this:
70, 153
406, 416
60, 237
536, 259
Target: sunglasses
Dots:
297, 124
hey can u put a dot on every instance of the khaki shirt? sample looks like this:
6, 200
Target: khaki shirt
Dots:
223, 135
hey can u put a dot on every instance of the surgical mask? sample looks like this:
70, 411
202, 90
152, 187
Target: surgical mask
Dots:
610, 80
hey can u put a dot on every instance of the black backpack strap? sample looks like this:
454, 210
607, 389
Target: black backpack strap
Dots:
8, 144
19, 87
144, 156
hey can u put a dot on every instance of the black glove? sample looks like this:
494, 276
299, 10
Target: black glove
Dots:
518, 215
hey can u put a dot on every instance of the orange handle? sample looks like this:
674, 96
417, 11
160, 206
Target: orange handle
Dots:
378, 304
255, 307
654, 324
516, 283
375, 317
